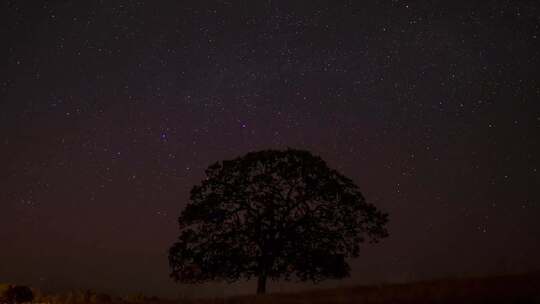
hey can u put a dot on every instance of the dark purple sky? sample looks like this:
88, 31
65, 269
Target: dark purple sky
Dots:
111, 110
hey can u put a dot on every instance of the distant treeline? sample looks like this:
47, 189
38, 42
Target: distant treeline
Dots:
14, 294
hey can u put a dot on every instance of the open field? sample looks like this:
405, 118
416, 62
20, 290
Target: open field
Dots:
522, 289
497, 289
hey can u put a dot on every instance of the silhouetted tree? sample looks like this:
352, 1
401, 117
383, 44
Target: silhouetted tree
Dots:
18, 294
272, 214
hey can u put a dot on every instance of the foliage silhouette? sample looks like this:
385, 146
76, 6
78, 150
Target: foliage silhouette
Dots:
272, 214
18, 294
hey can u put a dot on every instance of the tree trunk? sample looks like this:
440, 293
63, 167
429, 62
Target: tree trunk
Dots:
261, 284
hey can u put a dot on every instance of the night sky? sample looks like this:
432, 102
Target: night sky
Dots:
111, 110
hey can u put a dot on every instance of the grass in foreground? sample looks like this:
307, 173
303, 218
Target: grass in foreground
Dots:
523, 289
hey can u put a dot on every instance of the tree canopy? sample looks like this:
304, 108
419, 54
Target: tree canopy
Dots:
273, 214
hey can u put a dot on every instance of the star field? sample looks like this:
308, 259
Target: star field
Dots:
111, 111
